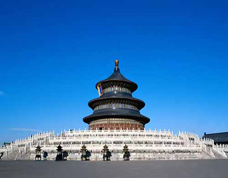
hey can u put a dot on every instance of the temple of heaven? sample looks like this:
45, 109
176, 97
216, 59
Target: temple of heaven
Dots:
116, 109
116, 132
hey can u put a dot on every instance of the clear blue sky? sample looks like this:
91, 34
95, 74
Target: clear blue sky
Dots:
52, 53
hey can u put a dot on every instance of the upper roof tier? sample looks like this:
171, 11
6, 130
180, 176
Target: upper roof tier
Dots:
117, 79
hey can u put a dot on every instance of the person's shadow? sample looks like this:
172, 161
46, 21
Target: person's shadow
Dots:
88, 154
1, 155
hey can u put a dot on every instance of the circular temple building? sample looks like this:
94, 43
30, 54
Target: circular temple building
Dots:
117, 125
116, 109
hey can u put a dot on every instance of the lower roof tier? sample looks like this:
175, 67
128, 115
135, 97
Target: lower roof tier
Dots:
117, 113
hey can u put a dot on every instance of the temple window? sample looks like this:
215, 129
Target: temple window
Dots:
115, 105
111, 89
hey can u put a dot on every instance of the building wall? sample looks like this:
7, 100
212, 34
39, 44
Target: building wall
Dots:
116, 124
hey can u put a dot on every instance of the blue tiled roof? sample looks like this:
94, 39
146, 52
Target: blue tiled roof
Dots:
217, 137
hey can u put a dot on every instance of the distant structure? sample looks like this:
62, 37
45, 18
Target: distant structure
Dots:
116, 109
116, 131
219, 138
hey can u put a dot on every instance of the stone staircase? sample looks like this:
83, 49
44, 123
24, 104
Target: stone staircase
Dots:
219, 155
12, 156
206, 155
25, 156
22, 153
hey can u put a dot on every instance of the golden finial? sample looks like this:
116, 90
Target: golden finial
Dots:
117, 64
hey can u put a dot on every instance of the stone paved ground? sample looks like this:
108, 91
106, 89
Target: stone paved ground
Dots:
121, 169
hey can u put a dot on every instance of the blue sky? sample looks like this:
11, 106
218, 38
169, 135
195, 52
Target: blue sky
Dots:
53, 53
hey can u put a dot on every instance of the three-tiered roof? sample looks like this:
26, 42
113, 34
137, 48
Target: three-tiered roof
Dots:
116, 108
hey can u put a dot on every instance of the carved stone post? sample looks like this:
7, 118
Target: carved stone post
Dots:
83, 153
106, 153
59, 156
126, 153
38, 153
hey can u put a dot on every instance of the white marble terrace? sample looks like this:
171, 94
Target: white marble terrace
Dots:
143, 145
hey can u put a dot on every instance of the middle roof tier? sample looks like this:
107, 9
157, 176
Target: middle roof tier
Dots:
117, 99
